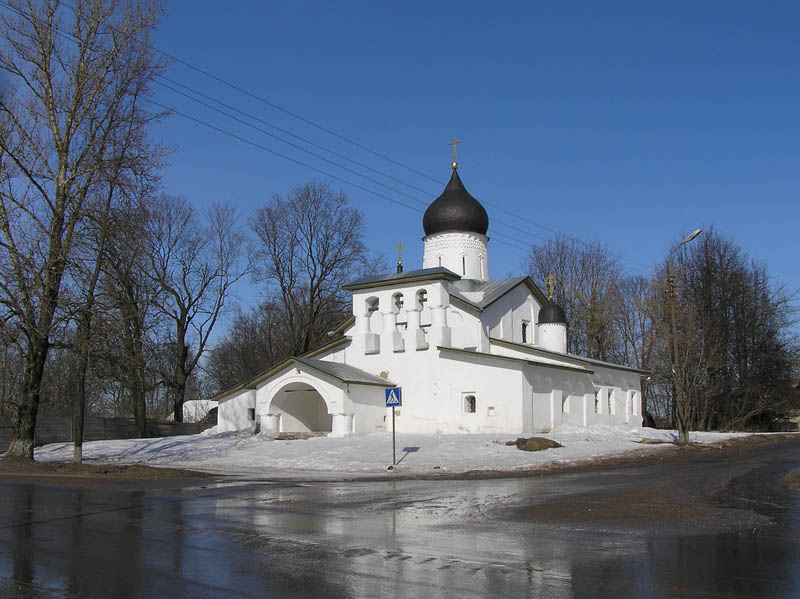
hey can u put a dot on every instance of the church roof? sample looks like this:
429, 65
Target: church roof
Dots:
481, 294
411, 276
531, 361
571, 358
455, 210
344, 372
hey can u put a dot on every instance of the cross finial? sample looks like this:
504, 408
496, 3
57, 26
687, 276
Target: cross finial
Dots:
550, 281
399, 249
454, 142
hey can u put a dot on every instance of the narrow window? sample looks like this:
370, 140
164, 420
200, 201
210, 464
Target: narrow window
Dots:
612, 407
469, 404
422, 297
251, 413
463, 265
524, 331
597, 401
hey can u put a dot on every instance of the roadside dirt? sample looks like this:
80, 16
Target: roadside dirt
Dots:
60, 472
693, 489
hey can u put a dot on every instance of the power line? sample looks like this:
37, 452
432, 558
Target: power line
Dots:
72, 38
298, 137
293, 145
214, 108
284, 156
315, 169
303, 119
322, 128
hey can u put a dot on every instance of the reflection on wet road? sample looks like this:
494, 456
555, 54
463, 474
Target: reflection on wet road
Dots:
446, 538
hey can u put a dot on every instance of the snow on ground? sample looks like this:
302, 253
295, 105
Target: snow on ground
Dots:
366, 456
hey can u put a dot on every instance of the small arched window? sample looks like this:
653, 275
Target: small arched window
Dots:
397, 302
470, 404
372, 305
422, 297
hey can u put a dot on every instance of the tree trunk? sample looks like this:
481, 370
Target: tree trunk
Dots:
138, 388
181, 357
22, 442
21, 447
79, 401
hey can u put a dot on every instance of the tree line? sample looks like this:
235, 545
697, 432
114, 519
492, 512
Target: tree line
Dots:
111, 290
737, 350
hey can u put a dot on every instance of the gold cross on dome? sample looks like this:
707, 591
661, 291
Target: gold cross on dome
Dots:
454, 143
550, 281
399, 249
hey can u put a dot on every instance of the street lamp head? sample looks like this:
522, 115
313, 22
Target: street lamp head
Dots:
692, 235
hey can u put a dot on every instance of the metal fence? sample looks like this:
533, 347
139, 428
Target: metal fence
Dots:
58, 429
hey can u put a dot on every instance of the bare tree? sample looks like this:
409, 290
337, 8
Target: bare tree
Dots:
732, 350
309, 246
129, 294
194, 266
637, 326
76, 83
588, 290
255, 341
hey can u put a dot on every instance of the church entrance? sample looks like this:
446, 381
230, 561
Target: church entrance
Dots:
302, 409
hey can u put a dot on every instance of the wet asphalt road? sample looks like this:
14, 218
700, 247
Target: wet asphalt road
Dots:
713, 523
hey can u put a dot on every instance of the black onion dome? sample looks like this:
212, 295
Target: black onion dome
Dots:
455, 210
552, 313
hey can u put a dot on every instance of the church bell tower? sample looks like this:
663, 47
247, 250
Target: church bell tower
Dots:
455, 227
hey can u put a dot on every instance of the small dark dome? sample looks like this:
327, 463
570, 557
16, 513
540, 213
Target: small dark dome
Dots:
455, 210
552, 313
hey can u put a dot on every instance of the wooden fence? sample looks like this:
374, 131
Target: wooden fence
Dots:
58, 429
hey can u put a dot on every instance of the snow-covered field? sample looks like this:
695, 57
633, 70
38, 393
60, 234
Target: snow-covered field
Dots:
370, 455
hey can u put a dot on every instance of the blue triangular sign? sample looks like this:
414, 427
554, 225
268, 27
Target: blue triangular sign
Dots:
393, 397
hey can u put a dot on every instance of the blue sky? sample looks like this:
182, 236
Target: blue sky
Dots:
622, 124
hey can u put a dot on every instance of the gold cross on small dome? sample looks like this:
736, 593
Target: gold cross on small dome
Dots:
550, 281
399, 249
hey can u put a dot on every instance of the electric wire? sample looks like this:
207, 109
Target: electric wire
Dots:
291, 144
326, 130
303, 119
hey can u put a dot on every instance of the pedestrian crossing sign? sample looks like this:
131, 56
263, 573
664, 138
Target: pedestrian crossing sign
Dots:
393, 398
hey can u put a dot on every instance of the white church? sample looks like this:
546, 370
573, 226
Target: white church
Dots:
470, 354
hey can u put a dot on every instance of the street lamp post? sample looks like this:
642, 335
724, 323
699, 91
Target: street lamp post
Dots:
677, 373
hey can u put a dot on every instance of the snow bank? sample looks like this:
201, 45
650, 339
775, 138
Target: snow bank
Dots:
370, 455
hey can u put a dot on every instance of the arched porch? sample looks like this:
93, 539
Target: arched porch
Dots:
302, 409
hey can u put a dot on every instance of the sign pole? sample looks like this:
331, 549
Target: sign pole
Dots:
394, 458
394, 400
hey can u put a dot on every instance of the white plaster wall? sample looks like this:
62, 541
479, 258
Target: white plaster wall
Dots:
548, 410
464, 253
465, 328
626, 385
232, 411
194, 410
504, 317
553, 337
369, 406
